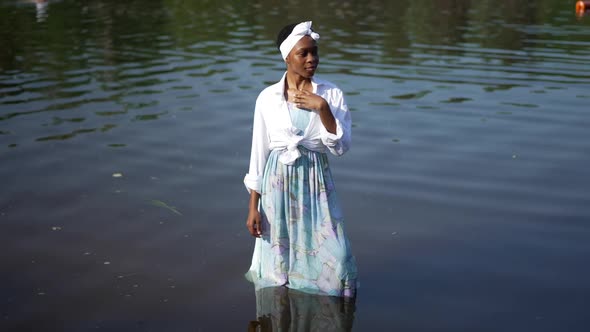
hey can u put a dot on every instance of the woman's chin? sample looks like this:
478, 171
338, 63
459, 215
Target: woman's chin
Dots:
308, 73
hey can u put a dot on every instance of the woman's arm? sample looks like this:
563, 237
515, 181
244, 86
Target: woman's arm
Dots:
260, 149
253, 180
336, 123
254, 220
339, 142
327, 117
311, 101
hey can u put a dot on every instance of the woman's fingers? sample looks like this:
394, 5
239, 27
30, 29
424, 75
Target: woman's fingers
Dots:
307, 100
258, 227
250, 227
254, 226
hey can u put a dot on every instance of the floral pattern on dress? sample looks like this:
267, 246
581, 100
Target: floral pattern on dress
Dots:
303, 245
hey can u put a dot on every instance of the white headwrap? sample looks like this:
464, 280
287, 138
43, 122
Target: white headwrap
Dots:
300, 30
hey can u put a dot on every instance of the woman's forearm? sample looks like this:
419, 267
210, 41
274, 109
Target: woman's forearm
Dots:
254, 198
327, 118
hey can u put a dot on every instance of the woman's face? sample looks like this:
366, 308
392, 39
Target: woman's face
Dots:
303, 59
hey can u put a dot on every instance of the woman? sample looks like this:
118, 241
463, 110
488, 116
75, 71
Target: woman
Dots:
300, 240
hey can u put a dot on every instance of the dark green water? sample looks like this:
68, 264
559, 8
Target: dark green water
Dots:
124, 138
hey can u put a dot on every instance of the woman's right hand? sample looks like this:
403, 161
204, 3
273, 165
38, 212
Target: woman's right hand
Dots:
254, 223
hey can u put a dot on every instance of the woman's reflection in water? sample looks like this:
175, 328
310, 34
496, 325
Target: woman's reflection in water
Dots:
284, 309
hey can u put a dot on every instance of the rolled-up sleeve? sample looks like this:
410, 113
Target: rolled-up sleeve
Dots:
260, 150
339, 142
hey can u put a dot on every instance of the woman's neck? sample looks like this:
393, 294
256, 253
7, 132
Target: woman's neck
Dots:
297, 82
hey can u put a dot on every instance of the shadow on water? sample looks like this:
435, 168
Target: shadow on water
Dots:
282, 309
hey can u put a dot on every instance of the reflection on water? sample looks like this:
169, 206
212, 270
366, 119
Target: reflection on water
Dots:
41, 6
283, 309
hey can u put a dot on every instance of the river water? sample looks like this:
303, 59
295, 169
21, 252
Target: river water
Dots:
124, 138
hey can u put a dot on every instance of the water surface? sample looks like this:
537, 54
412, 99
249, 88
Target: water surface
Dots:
124, 138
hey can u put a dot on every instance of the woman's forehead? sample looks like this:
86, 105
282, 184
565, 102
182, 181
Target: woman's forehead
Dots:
305, 42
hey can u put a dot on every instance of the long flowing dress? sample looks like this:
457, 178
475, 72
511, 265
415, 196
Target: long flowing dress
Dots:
303, 245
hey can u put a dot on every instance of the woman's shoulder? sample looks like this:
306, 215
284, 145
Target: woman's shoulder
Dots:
271, 95
328, 89
325, 83
271, 91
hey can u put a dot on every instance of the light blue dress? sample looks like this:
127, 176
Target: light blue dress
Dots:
303, 245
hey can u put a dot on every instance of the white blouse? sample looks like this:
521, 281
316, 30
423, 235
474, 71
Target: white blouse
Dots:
273, 129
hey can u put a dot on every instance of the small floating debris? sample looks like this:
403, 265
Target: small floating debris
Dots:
107, 263
117, 175
161, 204
56, 228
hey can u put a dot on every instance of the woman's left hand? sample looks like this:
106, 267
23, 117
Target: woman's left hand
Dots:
307, 100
